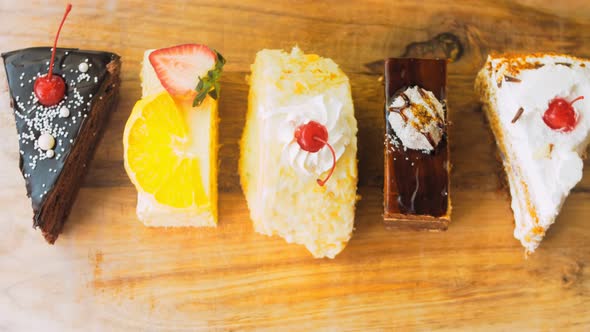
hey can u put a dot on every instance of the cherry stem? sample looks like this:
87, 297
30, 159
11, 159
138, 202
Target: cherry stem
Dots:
320, 181
68, 8
575, 100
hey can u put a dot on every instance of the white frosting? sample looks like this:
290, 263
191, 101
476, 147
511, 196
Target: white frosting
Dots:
547, 161
413, 131
321, 109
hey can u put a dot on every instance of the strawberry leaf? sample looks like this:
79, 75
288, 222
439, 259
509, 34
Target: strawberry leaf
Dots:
209, 85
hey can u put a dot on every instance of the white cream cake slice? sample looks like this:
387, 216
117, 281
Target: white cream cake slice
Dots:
282, 178
538, 107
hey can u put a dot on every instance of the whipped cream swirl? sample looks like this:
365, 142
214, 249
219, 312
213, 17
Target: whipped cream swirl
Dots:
324, 110
417, 117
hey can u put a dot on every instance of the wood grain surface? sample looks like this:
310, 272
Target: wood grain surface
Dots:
108, 273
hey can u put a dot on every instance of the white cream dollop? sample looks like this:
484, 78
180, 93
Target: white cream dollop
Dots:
417, 117
321, 109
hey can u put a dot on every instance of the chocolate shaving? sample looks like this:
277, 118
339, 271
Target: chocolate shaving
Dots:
564, 64
517, 115
500, 83
511, 79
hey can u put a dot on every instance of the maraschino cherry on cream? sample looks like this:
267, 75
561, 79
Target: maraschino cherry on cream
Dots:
312, 137
50, 89
561, 114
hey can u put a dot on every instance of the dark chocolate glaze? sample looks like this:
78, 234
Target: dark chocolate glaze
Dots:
416, 183
22, 68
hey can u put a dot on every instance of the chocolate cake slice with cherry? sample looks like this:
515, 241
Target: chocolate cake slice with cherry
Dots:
416, 189
62, 99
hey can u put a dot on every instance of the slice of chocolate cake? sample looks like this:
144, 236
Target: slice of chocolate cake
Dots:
416, 189
58, 141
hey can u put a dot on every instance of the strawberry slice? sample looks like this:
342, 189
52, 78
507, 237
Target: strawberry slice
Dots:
180, 68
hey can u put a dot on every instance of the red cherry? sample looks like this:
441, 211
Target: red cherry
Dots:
306, 134
49, 89
312, 137
561, 114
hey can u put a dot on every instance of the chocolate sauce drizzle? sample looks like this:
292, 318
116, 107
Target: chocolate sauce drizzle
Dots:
400, 110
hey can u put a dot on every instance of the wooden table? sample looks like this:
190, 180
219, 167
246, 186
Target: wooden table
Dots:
108, 272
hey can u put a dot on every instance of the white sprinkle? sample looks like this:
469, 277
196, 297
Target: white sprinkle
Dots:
46, 141
83, 67
50, 153
64, 112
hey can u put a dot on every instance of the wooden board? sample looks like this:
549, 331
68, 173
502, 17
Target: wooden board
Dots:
108, 272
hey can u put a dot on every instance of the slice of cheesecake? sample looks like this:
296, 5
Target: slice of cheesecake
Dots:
298, 164
58, 141
170, 139
538, 107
